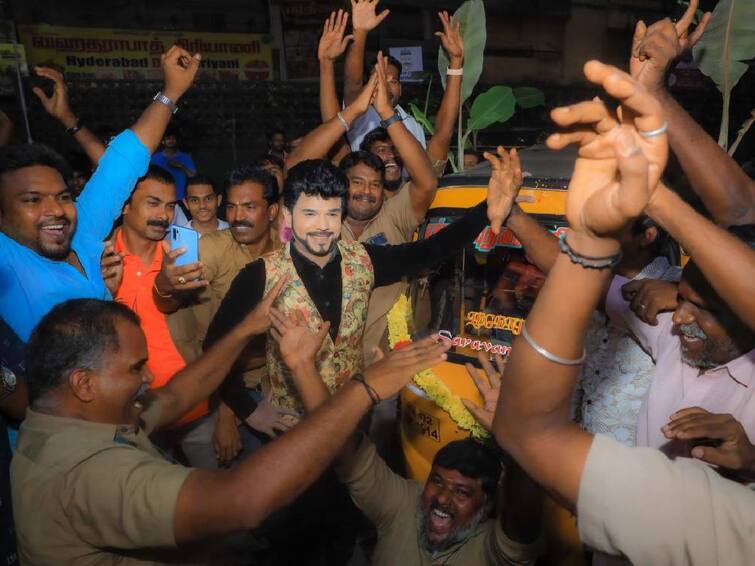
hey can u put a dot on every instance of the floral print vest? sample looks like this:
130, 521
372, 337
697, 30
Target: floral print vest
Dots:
336, 361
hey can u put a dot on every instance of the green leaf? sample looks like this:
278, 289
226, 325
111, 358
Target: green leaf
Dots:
529, 96
728, 40
471, 14
497, 104
422, 118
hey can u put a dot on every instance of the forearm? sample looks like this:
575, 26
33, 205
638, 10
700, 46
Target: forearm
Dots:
272, 476
309, 384
150, 126
727, 263
91, 144
725, 189
541, 246
532, 420
521, 508
317, 143
448, 113
353, 69
328, 95
198, 380
424, 181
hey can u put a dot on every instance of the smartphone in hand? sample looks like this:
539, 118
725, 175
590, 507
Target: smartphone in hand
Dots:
181, 237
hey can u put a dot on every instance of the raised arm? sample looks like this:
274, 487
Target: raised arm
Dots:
445, 121
198, 380
213, 502
317, 143
332, 45
613, 177
59, 108
363, 20
725, 189
424, 182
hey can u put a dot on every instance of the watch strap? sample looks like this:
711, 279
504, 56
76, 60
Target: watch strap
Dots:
392, 120
160, 97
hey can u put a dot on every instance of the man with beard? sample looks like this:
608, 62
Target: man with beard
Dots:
50, 247
151, 282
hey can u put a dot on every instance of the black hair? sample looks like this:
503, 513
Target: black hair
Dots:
376, 135
663, 245
73, 335
473, 460
263, 160
243, 173
157, 173
315, 177
200, 180
366, 158
396, 63
17, 156
271, 133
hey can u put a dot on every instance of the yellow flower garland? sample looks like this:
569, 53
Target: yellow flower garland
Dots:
399, 318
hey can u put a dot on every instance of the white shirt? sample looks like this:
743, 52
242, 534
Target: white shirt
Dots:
371, 120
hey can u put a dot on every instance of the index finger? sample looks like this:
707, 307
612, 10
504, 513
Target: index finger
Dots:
684, 22
689, 411
273, 293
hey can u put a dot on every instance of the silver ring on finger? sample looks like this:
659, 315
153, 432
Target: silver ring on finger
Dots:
643, 307
653, 133
182, 280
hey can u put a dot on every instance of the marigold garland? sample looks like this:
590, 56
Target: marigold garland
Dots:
399, 318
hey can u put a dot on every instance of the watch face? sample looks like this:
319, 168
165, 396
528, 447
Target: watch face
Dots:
7, 380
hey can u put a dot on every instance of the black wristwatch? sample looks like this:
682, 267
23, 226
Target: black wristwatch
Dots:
392, 120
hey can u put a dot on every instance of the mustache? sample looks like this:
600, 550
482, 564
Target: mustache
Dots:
242, 224
692, 330
143, 388
320, 234
158, 224
366, 198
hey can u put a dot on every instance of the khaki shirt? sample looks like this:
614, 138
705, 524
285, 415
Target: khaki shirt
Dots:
654, 510
88, 493
394, 224
392, 503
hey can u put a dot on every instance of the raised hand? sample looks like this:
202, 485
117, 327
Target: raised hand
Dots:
382, 100
489, 388
617, 168
730, 446
56, 105
503, 187
298, 344
269, 419
364, 16
648, 297
654, 49
111, 267
388, 374
450, 38
173, 278
363, 100
258, 321
333, 42
179, 69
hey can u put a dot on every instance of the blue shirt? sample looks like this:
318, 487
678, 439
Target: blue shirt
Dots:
371, 120
31, 284
160, 159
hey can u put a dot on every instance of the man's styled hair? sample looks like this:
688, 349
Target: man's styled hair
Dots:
248, 173
157, 173
396, 63
363, 157
473, 460
74, 335
315, 177
18, 156
376, 135
200, 180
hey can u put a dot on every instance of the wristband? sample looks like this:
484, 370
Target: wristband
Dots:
374, 397
392, 120
160, 97
73, 130
586, 261
455, 72
343, 121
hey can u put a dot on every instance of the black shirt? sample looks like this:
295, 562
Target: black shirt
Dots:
324, 285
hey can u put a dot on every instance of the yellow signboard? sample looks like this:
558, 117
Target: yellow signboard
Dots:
105, 53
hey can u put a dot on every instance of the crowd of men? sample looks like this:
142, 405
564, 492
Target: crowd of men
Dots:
242, 408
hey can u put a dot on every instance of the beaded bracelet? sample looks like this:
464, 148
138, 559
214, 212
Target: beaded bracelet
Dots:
587, 261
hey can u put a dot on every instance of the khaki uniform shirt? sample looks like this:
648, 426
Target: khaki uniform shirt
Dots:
89, 493
392, 503
394, 224
637, 502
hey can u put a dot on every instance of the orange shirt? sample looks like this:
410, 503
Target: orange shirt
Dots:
136, 293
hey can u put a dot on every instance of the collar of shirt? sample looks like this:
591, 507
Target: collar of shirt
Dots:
741, 369
88, 431
129, 258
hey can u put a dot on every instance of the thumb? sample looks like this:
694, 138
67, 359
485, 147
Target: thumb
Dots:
475, 409
377, 354
712, 455
324, 328
195, 61
40, 94
639, 34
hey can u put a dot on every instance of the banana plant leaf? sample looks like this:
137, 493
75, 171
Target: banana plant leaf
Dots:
471, 14
497, 104
529, 96
422, 118
728, 41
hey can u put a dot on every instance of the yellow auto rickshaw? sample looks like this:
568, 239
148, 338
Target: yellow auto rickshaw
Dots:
479, 300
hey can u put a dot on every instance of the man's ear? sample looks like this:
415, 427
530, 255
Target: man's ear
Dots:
126, 208
649, 236
272, 211
186, 202
81, 382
